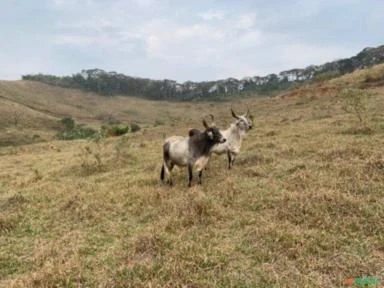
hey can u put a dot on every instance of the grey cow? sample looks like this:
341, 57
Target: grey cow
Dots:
193, 151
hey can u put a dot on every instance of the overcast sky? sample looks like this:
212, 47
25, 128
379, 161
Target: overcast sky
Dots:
183, 40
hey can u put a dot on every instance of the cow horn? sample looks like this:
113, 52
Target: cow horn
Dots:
212, 120
205, 124
247, 113
234, 114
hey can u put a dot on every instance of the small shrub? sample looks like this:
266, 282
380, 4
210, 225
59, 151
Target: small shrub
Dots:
115, 130
16, 117
7, 224
91, 161
158, 122
99, 136
68, 122
355, 102
135, 127
78, 132
71, 131
36, 175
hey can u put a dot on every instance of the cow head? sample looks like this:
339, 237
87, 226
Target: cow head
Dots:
244, 121
213, 132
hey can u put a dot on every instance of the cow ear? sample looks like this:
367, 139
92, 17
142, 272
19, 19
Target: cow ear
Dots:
210, 135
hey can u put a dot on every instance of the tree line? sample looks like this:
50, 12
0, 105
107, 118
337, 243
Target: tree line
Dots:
112, 83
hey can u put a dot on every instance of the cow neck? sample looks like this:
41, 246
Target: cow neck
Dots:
235, 131
205, 143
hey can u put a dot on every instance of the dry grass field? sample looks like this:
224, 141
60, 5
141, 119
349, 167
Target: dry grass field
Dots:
303, 206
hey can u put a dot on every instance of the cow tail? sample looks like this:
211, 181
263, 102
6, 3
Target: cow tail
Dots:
165, 159
162, 173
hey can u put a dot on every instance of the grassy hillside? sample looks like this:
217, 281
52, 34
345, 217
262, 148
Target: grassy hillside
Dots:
38, 107
88, 107
303, 206
363, 78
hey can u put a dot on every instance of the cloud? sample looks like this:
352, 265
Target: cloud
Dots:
185, 40
69, 4
308, 8
299, 55
199, 31
246, 21
212, 15
153, 47
231, 47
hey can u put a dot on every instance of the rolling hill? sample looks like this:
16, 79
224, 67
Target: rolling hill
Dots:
37, 108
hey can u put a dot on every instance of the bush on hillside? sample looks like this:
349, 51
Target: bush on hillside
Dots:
355, 101
135, 127
68, 123
78, 132
120, 129
115, 130
72, 131
324, 76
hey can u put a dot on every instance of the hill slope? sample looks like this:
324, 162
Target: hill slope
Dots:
301, 208
37, 107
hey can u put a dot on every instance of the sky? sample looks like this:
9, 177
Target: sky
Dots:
199, 40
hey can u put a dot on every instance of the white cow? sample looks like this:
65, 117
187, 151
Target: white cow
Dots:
234, 135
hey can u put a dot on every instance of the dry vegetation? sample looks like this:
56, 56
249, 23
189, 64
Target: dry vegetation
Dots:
90, 108
303, 206
363, 78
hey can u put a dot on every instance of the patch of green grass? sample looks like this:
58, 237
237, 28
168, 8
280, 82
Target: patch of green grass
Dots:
8, 265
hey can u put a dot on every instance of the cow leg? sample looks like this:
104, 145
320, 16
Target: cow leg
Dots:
190, 175
200, 176
229, 159
170, 182
166, 172
233, 159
